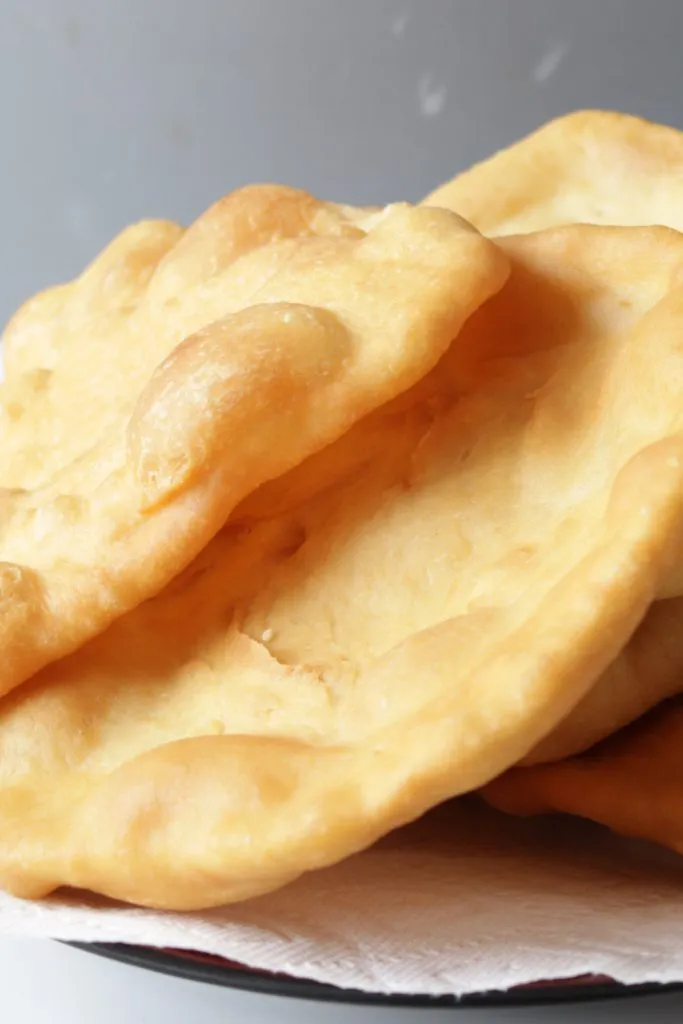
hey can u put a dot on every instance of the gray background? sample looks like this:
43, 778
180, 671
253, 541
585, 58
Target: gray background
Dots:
112, 110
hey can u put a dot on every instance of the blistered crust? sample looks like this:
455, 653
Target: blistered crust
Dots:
404, 633
184, 369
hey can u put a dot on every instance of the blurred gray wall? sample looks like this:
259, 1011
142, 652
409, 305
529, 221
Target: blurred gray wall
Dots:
112, 110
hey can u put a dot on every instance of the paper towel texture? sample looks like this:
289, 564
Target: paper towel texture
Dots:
463, 901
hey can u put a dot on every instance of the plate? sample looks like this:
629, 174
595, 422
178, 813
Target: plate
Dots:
216, 971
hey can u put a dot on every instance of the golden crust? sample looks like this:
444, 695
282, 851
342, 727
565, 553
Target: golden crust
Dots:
392, 638
182, 370
592, 166
646, 672
633, 782
604, 168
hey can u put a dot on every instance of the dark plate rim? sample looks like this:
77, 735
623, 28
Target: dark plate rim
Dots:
194, 967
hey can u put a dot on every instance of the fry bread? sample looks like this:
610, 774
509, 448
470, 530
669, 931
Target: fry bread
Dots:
603, 168
593, 166
320, 676
182, 370
646, 672
633, 782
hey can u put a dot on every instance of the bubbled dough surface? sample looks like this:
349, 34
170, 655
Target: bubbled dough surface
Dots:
474, 555
183, 369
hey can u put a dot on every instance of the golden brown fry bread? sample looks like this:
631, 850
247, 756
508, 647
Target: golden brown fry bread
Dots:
633, 782
593, 166
319, 677
181, 371
606, 168
646, 672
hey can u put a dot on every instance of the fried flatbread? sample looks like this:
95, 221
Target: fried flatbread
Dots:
320, 676
646, 672
633, 782
182, 370
592, 166
595, 167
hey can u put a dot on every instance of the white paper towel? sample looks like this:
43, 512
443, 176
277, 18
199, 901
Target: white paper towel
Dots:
463, 901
